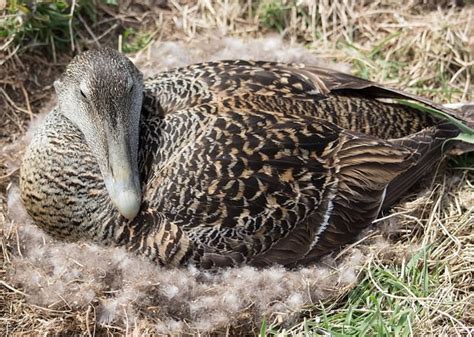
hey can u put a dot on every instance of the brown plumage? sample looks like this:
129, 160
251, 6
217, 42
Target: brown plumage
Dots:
239, 161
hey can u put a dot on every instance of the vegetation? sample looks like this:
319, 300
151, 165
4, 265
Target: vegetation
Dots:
61, 26
273, 14
52, 26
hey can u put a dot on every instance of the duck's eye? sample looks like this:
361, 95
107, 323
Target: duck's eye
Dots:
83, 94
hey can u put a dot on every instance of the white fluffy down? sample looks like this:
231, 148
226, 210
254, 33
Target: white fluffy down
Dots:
126, 290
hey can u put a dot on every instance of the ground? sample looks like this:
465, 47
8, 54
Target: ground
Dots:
411, 274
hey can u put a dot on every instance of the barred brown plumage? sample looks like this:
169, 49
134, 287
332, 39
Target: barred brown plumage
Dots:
238, 161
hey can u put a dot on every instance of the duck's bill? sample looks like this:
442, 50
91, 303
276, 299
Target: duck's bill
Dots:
122, 182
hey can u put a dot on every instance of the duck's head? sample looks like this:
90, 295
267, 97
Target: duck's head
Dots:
101, 92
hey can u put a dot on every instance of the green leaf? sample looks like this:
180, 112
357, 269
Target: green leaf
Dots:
263, 328
465, 137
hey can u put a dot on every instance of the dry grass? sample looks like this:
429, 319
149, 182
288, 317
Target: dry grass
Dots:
422, 283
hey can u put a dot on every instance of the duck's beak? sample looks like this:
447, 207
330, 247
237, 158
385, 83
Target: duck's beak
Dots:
122, 180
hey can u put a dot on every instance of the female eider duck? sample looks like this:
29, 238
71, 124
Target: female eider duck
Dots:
223, 163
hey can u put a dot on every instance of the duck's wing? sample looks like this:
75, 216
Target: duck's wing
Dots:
326, 81
427, 147
329, 80
245, 183
348, 101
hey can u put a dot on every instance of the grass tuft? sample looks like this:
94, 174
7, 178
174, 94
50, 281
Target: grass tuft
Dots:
273, 14
134, 41
51, 26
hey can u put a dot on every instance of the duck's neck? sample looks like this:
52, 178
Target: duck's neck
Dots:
65, 194
62, 187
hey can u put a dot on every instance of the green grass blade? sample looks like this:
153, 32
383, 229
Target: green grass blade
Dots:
263, 328
465, 137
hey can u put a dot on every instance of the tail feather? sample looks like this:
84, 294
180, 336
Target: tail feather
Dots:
431, 144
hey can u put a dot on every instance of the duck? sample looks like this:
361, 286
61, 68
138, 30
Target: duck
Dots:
224, 163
